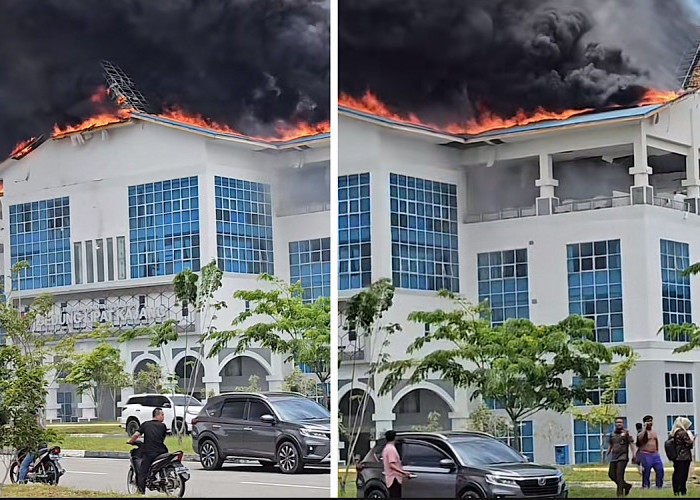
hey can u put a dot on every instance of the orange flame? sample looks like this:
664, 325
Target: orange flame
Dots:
98, 121
23, 149
487, 121
285, 132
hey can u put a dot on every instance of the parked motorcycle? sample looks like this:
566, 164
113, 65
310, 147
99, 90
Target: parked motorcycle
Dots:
166, 474
46, 467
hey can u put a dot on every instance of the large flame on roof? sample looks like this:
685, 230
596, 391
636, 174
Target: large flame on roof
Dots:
487, 121
283, 133
23, 148
101, 120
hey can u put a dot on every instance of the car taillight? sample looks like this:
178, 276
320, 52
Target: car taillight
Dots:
195, 420
56, 450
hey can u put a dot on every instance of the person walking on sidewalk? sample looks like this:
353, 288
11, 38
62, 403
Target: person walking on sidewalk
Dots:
648, 443
683, 445
619, 453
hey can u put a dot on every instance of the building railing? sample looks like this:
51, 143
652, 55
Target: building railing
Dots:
575, 206
309, 208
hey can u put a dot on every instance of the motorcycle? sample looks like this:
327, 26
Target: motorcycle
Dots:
46, 467
166, 474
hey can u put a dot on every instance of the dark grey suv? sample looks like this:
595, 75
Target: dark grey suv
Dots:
459, 465
282, 428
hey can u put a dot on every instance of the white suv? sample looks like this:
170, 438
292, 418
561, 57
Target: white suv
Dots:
139, 408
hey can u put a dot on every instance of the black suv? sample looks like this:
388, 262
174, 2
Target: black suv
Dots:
459, 465
282, 428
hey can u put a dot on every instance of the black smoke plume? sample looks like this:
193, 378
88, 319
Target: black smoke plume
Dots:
245, 63
446, 60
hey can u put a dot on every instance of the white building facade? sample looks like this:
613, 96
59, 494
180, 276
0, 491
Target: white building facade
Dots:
596, 215
108, 217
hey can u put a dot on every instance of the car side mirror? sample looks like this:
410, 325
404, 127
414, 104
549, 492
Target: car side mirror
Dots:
525, 457
447, 463
268, 419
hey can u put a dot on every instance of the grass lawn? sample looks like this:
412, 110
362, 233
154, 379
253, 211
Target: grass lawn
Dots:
118, 443
99, 428
44, 491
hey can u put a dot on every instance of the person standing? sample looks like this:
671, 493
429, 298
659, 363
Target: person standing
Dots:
153, 432
394, 473
681, 465
648, 443
619, 453
637, 460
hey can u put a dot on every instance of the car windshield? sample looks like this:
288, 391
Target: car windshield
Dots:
183, 400
297, 409
482, 450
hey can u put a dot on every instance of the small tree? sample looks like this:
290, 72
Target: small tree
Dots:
287, 325
518, 364
485, 420
298, 382
149, 380
605, 414
433, 425
99, 373
363, 316
253, 385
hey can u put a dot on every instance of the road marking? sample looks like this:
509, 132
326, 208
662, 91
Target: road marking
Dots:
92, 473
288, 485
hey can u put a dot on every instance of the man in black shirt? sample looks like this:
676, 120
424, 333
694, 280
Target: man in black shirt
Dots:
153, 432
619, 454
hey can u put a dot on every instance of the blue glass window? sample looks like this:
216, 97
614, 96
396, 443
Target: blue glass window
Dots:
424, 243
40, 234
492, 404
679, 387
527, 440
310, 263
670, 419
354, 232
589, 441
595, 286
503, 281
164, 227
675, 288
244, 226
594, 396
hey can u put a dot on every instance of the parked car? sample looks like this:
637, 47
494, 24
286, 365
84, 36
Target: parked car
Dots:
459, 465
275, 428
139, 409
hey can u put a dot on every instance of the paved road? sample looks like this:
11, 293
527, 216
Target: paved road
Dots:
103, 474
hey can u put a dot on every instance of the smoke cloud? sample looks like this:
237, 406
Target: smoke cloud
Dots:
245, 63
449, 60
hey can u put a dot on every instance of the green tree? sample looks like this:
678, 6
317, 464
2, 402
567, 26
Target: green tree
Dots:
253, 385
485, 420
433, 425
605, 414
363, 316
278, 319
149, 380
522, 366
298, 382
100, 373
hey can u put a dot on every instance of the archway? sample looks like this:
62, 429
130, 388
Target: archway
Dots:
413, 408
185, 370
350, 405
240, 371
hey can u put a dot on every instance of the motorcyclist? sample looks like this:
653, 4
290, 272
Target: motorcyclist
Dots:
30, 456
153, 432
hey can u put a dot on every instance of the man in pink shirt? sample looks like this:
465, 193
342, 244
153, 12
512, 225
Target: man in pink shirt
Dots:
394, 474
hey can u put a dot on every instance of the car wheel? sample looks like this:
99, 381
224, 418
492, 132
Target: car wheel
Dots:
132, 426
288, 458
375, 493
471, 494
209, 455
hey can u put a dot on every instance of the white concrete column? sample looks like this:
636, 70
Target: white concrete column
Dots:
459, 419
276, 378
546, 202
641, 192
692, 165
380, 200
52, 406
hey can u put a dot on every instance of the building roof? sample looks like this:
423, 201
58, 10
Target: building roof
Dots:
584, 119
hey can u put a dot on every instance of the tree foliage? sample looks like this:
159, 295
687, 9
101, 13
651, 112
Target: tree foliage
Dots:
279, 319
149, 380
99, 372
299, 382
434, 424
485, 420
523, 366
253, 385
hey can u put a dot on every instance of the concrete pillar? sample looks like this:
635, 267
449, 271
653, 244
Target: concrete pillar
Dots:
381, 225
459, 419
546, 202
276, 378
52, 406
641, 192
692, 166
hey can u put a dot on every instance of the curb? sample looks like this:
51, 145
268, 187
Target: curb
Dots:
111, 454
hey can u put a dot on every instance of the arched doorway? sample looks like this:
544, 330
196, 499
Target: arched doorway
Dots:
148, 383
350, 405
185, 371
239, 372
413, 410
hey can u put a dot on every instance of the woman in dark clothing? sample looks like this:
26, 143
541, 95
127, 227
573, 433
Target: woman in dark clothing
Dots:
684, 447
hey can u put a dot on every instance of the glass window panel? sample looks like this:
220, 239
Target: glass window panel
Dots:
674, 260
679, 387
78, 262
312, 277
89, 262
100, 250
121, 258
110, 259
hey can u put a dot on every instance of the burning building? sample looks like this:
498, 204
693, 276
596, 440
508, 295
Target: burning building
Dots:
108, 213
595, 214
